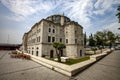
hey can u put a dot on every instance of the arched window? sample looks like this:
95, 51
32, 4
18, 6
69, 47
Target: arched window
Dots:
37, 48
32, 52
53, 30
36, 53
49, 29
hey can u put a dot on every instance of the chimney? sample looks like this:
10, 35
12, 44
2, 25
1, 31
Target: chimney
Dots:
62, 19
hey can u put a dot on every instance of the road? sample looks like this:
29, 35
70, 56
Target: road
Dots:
17, 69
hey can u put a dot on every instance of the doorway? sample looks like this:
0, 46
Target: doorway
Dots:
80, 52
36, 53
51, 53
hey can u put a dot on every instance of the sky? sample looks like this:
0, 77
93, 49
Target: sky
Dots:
18, 16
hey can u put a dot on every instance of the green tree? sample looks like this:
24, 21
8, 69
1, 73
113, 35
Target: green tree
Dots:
91, 41
118, 14
104, 38
111, 38
99, 38
117, 37
58, 47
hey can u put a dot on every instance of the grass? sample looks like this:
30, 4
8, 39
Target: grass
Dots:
74, 61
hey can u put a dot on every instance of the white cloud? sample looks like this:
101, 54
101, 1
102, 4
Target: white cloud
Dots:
28, 7
104, 5
20, 7
24, 8
14, 18
83, 10
112, 27
79, 10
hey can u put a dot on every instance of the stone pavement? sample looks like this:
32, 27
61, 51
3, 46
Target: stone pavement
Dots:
106, 69
18, 69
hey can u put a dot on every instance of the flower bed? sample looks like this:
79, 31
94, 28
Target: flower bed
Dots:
15, 54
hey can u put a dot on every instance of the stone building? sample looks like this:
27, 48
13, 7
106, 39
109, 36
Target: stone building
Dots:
56, 28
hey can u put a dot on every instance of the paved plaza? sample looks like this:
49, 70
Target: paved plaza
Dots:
17, 69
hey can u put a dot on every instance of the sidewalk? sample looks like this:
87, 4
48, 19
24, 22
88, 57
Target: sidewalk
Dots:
107, 68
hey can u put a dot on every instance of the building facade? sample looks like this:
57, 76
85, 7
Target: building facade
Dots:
56, 28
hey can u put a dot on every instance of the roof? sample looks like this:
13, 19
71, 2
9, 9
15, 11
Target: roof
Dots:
57, 15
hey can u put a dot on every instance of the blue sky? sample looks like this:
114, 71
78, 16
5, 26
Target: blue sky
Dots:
18, 16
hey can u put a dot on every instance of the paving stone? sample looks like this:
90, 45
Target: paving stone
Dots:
106, 69
18, 69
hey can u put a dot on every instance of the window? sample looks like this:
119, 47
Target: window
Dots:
49, 39
75, 41
37, 48
49, 29
53, 30
32, 52
49, 24
60, 39
66, 40
38, 30
75, 32
53, 39
36, 53
39, 39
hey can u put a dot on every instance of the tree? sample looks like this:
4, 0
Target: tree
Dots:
118, 14
104, 38
91, 41
101, 38
111, 38
117, 37
58, 47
